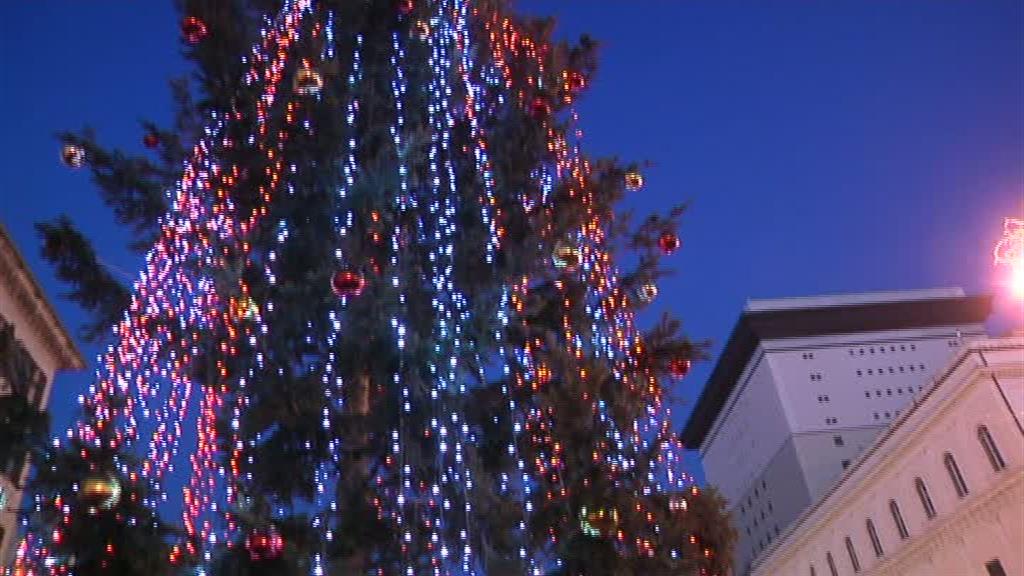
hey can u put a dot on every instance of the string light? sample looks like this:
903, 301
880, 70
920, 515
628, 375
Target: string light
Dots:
473, 72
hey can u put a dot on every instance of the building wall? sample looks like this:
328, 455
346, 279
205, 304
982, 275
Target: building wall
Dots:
804, 409
23, 304
966, 532
753, 428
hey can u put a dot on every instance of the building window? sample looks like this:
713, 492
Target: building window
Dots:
831, 564
837, 440
813, 573
897, 518
995, 567
867, 394
926, 499
954, 474
873, 536
991, 450
853, 555
846, 464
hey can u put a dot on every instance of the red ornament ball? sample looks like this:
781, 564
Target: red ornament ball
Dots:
634, 180
72, 155
669, 242
264, 544
540, 108
679, 367
574, 81
193, 29
405, 6
151, 140
347, 283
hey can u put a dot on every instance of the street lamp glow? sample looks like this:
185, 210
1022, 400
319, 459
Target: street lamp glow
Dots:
1017, 281
1009, 251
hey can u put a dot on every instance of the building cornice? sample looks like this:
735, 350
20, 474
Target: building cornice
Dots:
755, 326
867, 467
16, 276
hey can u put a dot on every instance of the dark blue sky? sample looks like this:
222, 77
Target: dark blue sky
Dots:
835, 146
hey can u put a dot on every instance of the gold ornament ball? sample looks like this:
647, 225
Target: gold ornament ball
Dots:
599, 522
100, 491
566, 257
72, 155
422, 29
646, 292
244, 308
634, 180
307, 82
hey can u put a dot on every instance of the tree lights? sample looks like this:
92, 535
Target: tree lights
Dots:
454, 416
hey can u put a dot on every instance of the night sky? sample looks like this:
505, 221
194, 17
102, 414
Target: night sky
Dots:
837, 146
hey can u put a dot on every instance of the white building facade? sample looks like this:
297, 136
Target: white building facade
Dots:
43, 348
805, 384
940, 493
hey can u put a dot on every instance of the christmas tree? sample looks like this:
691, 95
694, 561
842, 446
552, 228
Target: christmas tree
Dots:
380, 328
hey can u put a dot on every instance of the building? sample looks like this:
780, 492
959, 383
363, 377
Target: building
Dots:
805, 384
941, 492
40, 347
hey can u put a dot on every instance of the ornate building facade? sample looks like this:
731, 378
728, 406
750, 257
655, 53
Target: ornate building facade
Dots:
34, 347
940, 492
805, 384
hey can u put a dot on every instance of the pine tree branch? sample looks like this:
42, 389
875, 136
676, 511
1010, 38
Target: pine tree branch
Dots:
93, 287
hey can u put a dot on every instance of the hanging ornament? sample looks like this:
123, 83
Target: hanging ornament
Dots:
193, 29
599, 522
264, 544
539, 108
100, 491
151, 140
574, 81
633, 180
347, 283
566, 257
422, 30
406, 6
679, 367
307, 81
72, 155
244, 308
646, 292
668, 242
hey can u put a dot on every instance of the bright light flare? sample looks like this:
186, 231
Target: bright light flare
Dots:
1017, 281
1009, 251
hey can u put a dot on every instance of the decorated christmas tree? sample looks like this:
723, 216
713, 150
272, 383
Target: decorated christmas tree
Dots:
381, 328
